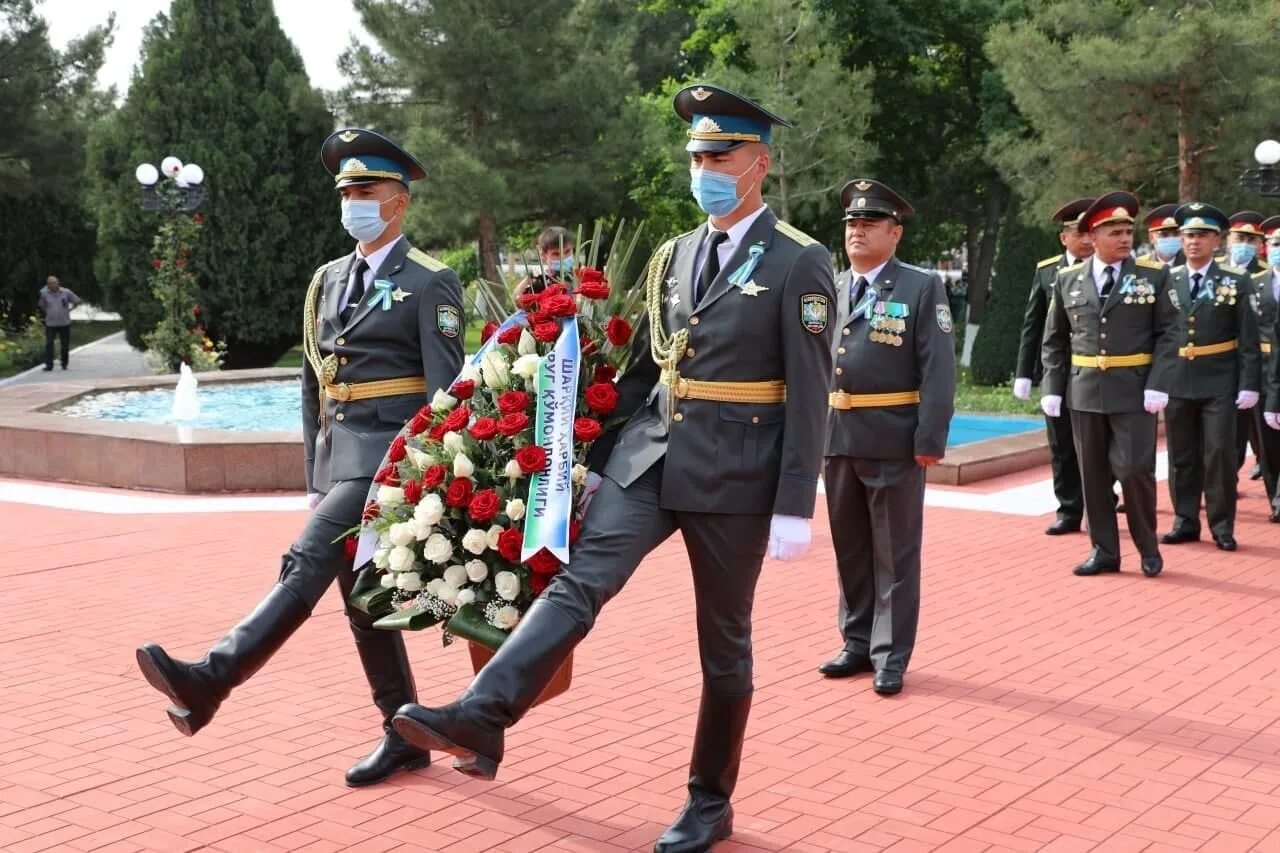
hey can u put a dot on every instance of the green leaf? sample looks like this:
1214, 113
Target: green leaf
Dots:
408, 619
470, 624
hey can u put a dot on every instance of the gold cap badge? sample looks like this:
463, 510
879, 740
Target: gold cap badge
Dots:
862, 186
706, 124
700, 94
348, 136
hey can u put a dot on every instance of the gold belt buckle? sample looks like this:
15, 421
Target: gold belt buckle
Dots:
1104, 362
840, 400
344, 392
680, 387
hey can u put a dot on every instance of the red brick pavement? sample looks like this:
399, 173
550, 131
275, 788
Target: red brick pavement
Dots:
1042, 712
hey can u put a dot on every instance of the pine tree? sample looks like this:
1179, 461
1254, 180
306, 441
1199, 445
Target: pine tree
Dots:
222, 86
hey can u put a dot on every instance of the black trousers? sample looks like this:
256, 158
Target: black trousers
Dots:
1066, 468
1202, 460
1267, 447
725, 553
63, 334
876, 508
1118, 447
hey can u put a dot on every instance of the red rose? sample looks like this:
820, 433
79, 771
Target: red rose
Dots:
513, 424
546, 332
412, 492
602, 397
538, 583
511, 335
156, 263
510, 541
538, 317
528, 300
560, 306
420, 423
605, 373
511, 402
396, 451
591, 284
370, 511
531, 459
484, 429
590, 274
575, 530
457, 419
618, 331
588, 346
488, 330
387, 475
586, 429
437, 432
483, 506
543, 563
459, 492
349, 546
433, 477
463, 390
556, 288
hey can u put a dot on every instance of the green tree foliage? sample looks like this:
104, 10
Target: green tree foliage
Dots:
222, 86
1163, 98
1022, 246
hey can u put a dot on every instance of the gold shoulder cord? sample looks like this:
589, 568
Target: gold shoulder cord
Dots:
665, 350
325, 369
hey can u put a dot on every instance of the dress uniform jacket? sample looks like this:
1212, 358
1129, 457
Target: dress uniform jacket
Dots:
419, 333
735, 457
1268, 311
1204, 321
1033, 320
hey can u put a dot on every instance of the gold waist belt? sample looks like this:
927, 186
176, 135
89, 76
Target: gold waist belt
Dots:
1265, 347
843, 401
1102, 362
345, 392
1190, 351
763, 391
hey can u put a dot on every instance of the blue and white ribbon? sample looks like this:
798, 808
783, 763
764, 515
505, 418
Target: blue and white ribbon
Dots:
742, 274
550, 498
382, 293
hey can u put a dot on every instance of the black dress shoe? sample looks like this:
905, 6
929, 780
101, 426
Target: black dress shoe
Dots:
1225, 543
478, 747
1152, 566
845, 664
1062, 526
1177, 537
1094, 566
888, 682
390, 756
1255, 473
1274, 518
706, 819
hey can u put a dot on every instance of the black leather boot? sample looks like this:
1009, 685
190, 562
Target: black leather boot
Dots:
473, 727
386, 666
197, 689
713, 774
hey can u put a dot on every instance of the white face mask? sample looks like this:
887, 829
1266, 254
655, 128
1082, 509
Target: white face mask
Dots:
363, 218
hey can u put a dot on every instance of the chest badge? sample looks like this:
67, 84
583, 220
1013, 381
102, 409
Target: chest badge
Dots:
752, 289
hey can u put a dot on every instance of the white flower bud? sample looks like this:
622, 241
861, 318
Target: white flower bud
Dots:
462, 466
528, 344
466, 596
400, 559
455, 575
475, 541
381, 558
526, 366
453, 442
476, 570
433, 586
471, 374
430, 509
409, 581
390, 495
495, 370
506, 618
437, 549
513, 470
579, 475
442, 401
401, 533
419, 459
492, 535
388, 581
515, 509
421, 529
448, 594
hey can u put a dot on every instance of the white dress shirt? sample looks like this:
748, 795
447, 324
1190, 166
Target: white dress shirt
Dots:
374, 261
1203, 272
1100, 276
737, 232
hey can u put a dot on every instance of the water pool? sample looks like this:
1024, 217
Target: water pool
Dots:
967, 428
238, 406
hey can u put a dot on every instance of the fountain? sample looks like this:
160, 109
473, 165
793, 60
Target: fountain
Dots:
186, 405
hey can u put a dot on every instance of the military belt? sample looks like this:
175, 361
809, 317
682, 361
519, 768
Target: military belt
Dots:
345, 392
1264, 347
1190, 351
843, 400
763, 391
1102, 362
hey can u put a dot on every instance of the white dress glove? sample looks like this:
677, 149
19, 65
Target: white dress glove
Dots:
1154, 401
313, 499
789, 537
1022, 388
1272, 419
1051, 405
589, 489
1246, 400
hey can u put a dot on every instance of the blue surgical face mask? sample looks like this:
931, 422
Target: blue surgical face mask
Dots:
560, 265
715, 192
1273, 255
1242, 254
363, 218
1168, 246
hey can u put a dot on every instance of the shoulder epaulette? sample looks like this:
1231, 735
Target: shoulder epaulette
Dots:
1049, 262
914, 268
793, 233
1074, 266
1262, 275
1149, 264
422, 259
1230, 269
1178, 268
320, 269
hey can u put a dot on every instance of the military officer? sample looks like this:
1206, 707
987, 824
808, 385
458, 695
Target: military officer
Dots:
1245, 242
1215, 375
382, 330
1108, 349
892, 397
724, 401
1266, 297
1163, 237
1077, 245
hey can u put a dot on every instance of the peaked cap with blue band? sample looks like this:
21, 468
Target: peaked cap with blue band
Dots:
720, 120
1199, 216
358, 156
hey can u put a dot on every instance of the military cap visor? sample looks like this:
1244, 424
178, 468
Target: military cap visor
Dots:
1247, 222
864, 198
358, 156
1199, 216
721, 120
1068, 215
1160, 218
1115, 206
1271, 227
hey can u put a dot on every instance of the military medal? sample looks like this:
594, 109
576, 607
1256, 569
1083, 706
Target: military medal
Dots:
399, 295
752, 289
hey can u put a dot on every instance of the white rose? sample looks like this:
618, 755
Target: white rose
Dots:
455, 575
491, 537
476, 571
513, 470
495, 370
448, 594
515, 509
475, 541
401, 533
381, 558
418, 458
421, 529
437, 549
388, 581
430, 509
400, 559
471, 374
442, 401
528, 344
466, 596
462, 466
433, 586
526, 366
507, 585
453, 442
409, 581
506, 618
390, 495
579, 475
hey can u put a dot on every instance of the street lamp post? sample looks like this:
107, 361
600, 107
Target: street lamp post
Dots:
1264, 180
182, 192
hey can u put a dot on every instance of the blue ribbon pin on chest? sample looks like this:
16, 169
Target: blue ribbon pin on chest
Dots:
741, 277
386, 292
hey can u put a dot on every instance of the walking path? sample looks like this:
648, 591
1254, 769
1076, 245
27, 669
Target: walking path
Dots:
106, 358
1042, 711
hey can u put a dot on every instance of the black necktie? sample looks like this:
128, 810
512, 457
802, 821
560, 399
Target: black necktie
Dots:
1109, 279
711, 266
1195, 285
856, 294
357, 290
